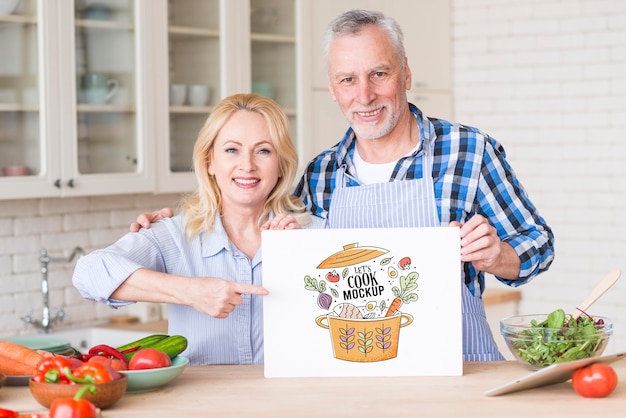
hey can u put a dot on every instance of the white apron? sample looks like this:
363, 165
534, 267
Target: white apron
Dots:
393, 205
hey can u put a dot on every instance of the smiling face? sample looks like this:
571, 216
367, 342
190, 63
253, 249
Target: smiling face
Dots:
367, 79
244, 162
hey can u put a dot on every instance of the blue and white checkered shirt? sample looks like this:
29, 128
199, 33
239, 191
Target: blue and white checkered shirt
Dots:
471, 176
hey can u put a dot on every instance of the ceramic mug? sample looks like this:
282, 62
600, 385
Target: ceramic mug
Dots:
178, 94
198, 95
99, 88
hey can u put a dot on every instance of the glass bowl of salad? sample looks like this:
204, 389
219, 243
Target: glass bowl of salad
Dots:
541, 340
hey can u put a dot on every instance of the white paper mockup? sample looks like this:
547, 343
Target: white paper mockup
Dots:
362, 302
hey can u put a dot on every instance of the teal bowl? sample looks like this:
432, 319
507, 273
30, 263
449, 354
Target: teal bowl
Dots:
151, 379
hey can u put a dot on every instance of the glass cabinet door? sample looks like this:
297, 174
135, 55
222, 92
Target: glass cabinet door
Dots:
102, 56
273, 53
191, 77
22, 131
106, 123
193, 73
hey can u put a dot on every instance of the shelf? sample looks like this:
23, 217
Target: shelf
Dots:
90, 108
270, 37
18, 19
103, 24
190, 109
11, 107
181, 32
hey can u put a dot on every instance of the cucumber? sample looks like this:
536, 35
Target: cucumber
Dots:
172, 345
148, 341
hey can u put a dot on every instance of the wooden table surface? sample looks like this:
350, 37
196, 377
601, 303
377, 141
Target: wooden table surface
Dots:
242, 391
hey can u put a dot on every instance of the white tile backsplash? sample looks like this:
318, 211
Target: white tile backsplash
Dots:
27, 226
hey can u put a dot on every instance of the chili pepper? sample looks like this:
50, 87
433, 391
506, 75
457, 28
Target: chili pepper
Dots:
92, 373
51, 370
110, 353
74, 407
112, 362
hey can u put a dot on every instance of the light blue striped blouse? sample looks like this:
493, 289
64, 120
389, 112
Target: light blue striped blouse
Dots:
237, 339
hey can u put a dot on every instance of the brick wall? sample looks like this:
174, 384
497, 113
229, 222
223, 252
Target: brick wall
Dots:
548, 80
58, 225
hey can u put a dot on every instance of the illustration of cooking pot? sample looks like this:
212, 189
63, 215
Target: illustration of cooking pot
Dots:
365, 340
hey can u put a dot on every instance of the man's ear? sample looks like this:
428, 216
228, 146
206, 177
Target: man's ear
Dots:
408, 76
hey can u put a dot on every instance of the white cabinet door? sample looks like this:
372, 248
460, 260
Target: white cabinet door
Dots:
81, 112
105, 101
231, 46
29, 149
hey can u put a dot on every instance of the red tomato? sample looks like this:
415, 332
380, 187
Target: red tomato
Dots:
594, 381
149, 358
113, 362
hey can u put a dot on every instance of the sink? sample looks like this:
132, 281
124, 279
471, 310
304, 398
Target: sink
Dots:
82, 339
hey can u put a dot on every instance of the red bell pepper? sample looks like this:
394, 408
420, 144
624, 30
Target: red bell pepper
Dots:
7, 413
74, 407
92, 373
51, 369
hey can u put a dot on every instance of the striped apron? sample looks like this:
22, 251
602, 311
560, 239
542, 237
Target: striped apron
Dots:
392, 205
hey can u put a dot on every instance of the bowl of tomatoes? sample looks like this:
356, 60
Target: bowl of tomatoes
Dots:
105, 394
61, 377
145, 380
541, 340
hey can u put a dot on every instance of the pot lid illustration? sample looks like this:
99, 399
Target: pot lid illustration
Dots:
352, 254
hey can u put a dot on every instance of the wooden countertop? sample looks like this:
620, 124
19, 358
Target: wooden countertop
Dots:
242, 391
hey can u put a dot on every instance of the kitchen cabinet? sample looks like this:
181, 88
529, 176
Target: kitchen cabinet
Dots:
427, 28
73, 110
231, 46
85, 104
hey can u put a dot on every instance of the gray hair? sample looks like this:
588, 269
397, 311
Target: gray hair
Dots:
351, 22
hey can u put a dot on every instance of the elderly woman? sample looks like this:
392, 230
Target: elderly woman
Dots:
206, 261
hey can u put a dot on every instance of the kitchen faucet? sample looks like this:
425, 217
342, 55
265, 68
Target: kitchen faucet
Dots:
46, 322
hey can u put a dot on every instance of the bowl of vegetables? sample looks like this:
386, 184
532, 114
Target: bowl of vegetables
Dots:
541, 340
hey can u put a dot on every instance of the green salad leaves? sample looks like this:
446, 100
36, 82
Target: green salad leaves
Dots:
559, 338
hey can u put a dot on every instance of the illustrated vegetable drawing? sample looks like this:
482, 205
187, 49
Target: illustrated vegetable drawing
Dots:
394, 306
149, 358
332, 277
324, 300
74, 407
594, 381
403, 294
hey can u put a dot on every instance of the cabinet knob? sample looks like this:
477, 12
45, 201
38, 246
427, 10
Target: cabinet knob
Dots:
70, 183
57, 183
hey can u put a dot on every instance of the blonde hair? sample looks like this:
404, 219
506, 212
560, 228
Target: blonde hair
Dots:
202, 206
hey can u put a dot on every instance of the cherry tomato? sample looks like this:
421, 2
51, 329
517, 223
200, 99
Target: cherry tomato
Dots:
594, 381
149, 358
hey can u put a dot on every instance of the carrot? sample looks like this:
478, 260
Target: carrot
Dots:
17, 360
394, 306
